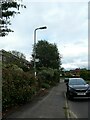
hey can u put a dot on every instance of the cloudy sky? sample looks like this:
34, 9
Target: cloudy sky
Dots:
67, 26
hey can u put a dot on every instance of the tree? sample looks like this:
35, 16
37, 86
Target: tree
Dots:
48, 55
62, 71
85, 74
6, 13
18, 54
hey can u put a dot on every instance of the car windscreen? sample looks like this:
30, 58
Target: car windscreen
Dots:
77, 82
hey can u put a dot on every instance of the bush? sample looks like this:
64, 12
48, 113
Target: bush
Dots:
49, 76
17, 86
85, 74
45, 85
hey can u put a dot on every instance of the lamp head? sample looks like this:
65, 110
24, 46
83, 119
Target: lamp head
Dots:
43, 27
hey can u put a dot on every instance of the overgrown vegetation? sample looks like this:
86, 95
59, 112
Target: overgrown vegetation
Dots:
48, 76
17, 86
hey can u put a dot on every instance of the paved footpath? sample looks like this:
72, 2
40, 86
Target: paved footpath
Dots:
51, 106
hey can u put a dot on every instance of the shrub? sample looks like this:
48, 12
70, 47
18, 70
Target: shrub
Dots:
17, 86
85, 74
45, 85
49, 76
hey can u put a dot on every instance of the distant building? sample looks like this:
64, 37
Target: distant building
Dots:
75, 72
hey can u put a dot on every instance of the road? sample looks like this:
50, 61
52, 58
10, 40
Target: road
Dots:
79, 107
53, 105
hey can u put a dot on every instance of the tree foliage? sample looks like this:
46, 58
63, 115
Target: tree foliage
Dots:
18, 54
48, 55
6, 12
85, 74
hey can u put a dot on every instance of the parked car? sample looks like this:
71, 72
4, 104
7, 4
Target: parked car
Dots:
77, 87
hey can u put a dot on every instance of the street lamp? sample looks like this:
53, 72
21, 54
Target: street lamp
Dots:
35, 47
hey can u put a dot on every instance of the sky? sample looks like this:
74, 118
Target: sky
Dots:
67, 27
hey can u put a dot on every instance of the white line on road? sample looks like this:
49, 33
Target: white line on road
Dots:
73, 115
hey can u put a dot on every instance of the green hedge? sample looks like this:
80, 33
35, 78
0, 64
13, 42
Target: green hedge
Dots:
48, 76
17, 86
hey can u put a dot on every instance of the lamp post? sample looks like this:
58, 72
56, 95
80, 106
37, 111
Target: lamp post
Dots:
35, 47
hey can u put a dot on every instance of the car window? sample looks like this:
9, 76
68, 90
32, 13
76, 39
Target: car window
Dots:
77, 82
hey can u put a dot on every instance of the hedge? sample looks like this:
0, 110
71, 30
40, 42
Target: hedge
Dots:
48, 76
17, 87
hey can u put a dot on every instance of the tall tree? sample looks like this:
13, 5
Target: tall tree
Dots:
6, 13
48, 55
